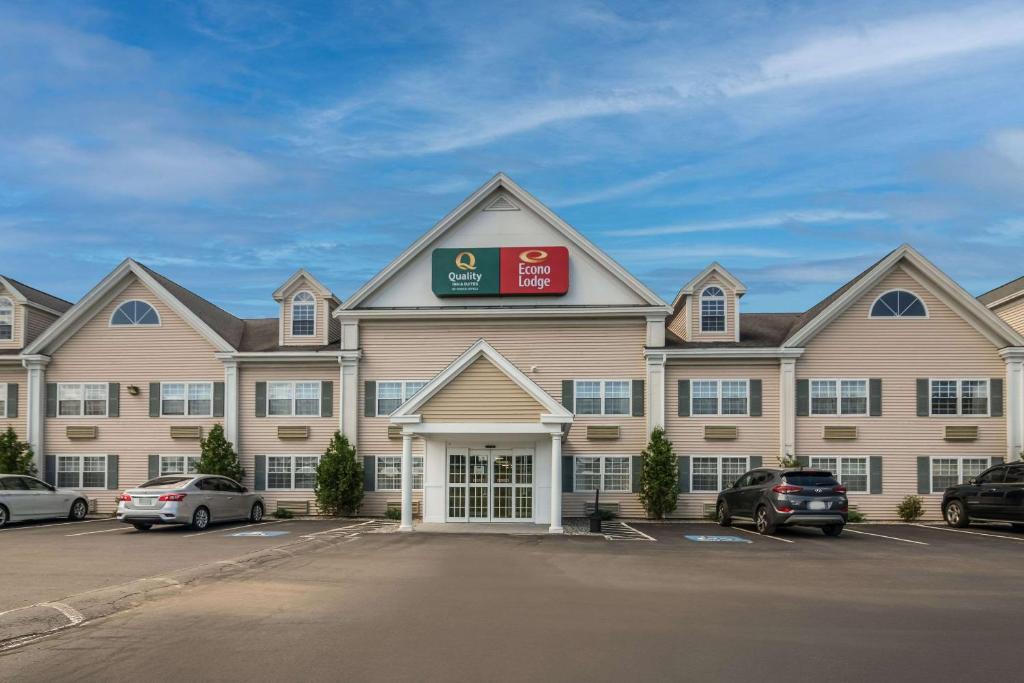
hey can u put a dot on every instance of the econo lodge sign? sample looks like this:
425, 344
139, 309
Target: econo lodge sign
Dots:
501, 271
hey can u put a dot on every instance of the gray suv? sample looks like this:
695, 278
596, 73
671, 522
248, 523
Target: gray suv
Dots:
786, 497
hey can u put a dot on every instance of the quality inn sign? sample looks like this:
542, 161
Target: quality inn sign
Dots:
501, 271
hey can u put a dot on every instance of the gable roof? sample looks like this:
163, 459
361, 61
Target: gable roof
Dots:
316, 284
757, 330
261, 335
24, 294
1003, 293
689, 287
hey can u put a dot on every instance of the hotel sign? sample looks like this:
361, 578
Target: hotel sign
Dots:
501, 271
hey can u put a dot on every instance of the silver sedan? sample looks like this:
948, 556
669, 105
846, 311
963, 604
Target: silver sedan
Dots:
195, 500
24, 498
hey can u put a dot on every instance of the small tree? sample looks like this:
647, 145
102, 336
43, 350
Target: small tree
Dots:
218, 456
15, 456
910, 509
659, 478
789, 460
339, 478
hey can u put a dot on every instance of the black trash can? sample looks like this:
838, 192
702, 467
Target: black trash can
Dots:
595, 517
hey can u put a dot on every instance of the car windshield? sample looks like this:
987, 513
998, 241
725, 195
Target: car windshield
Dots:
166, 483
810, 479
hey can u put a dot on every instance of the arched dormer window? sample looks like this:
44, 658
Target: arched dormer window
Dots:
303, 315
6, 319
898, 303
712, 310
135, 313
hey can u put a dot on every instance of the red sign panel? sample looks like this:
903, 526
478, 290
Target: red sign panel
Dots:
534, 270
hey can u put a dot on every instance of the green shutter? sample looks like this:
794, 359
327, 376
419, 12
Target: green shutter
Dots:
803, 397
568, 395
755, 461
875, 397
370, 399
12, 399
638, 398
637, 464
803, 461
755, 398
568, 476
923, 397
996, 400
683, 391
218, 399
51, 399
154, 399
683, 463
260, 483
113, 399
112, 472
875, 469
326, 399
50, 469
154, 466
261, 399
369, 472
924, 471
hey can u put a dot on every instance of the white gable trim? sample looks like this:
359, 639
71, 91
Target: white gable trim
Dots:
314, 283
109, 287
408, 412
467, 206
1005, 300
732, 281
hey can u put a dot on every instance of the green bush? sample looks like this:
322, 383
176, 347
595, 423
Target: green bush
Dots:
855, 517
339, 478
911, 509
394, 513
789, 461
282, 513
659, 478
605, 515
218, 456
15, 456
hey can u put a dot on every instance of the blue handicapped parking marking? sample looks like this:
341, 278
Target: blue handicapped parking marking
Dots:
261, 534
718, 539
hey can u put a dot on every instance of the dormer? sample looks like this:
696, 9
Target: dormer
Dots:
707, 308
25, 312
305, 311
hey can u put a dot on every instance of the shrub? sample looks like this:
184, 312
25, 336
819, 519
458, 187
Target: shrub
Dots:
789, 460
394, 513
15, 456
659, 478
855, 517
283, 513
605, 515
339, 478
911, 509
218, 456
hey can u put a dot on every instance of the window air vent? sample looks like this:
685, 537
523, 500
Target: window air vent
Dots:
720, 432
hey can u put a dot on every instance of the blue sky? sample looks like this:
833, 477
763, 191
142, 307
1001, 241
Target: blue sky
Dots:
226, 144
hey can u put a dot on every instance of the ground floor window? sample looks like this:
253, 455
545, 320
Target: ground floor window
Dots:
82, 471
389, 472
292, 471
179, 464
711, 474
610, 473
852, 472
950, 471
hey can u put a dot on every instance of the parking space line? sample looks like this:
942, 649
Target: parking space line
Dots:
43, 526
101, 531
234, 528
973, 533
891, 538
755, 533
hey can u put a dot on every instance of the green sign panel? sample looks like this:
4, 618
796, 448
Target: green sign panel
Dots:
466, 272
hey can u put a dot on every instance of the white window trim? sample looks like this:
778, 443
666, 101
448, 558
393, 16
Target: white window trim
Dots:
291, 468
159, 321
718, 457
316, 305
959, 395
959, 467
839, 475
700, 310
896, 317
839, 396
3, 400
718, 389
601, 473
628, 397
81, 471
403, 382
186, 383
8, 304
187, 456
319, 397
106, 401
376, 471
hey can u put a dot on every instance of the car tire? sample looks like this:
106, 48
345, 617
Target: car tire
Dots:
200, 519
955, 514
724, 518
832, 529
140, 526
256, 513
79, 510
5, 516
763, 521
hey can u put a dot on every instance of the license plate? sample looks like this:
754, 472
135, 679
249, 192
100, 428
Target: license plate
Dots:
817, 505
144, 502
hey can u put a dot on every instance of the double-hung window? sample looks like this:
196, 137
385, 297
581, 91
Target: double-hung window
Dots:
292, 471
6, 319
711, 474
852, 472
950, 471
179, 464
286, 399
719, 397
82, 471
603, 396
389, 472
76, 400
3, 400
839, 397
303, 315
607, 473
194, 399
712, 310
393, 393
959, 397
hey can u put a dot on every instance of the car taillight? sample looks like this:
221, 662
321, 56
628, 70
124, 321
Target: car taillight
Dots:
125, 497
785, 509
172, 497
839, 489
786, 488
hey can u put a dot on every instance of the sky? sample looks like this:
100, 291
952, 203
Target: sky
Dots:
228, 143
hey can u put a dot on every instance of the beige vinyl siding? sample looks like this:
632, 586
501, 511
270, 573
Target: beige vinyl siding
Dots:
899, 351
677, 325
17, 335
36, 322
481, 393
757, 436
730, 311
322, 313
15, 374
174, 351
1013, 313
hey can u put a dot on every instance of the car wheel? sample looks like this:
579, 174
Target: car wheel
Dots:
3, 516
200, 519
833, 529
724, 519
79, 509
142, 527
956, 514
763, 521
256, 514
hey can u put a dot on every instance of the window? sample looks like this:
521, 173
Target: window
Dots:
303, 315
603, 397
609, 473
898, 304
393, 393
3, 400
293, 398
712, 310
719, 397
178, 464
948, 472
82, 471
839, 397
75, 400
1015, 474
186, 398
292, 471
6, 319
959, 397
135, 313
389, 472
712, 474
851, 472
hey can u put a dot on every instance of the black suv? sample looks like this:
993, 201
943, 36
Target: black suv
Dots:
786, 497
995, 495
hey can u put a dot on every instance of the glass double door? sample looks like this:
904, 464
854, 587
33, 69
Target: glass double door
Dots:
490, 485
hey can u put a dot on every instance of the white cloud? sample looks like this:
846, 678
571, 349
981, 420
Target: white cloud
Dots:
753, 223
684, 253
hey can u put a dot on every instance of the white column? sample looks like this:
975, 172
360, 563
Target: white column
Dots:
787, 407
406, 524
349, 409
36, 411
655, 331
655, 392
1014, 402
556, 484
231, 403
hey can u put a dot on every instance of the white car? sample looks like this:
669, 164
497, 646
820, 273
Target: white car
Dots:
23, 498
